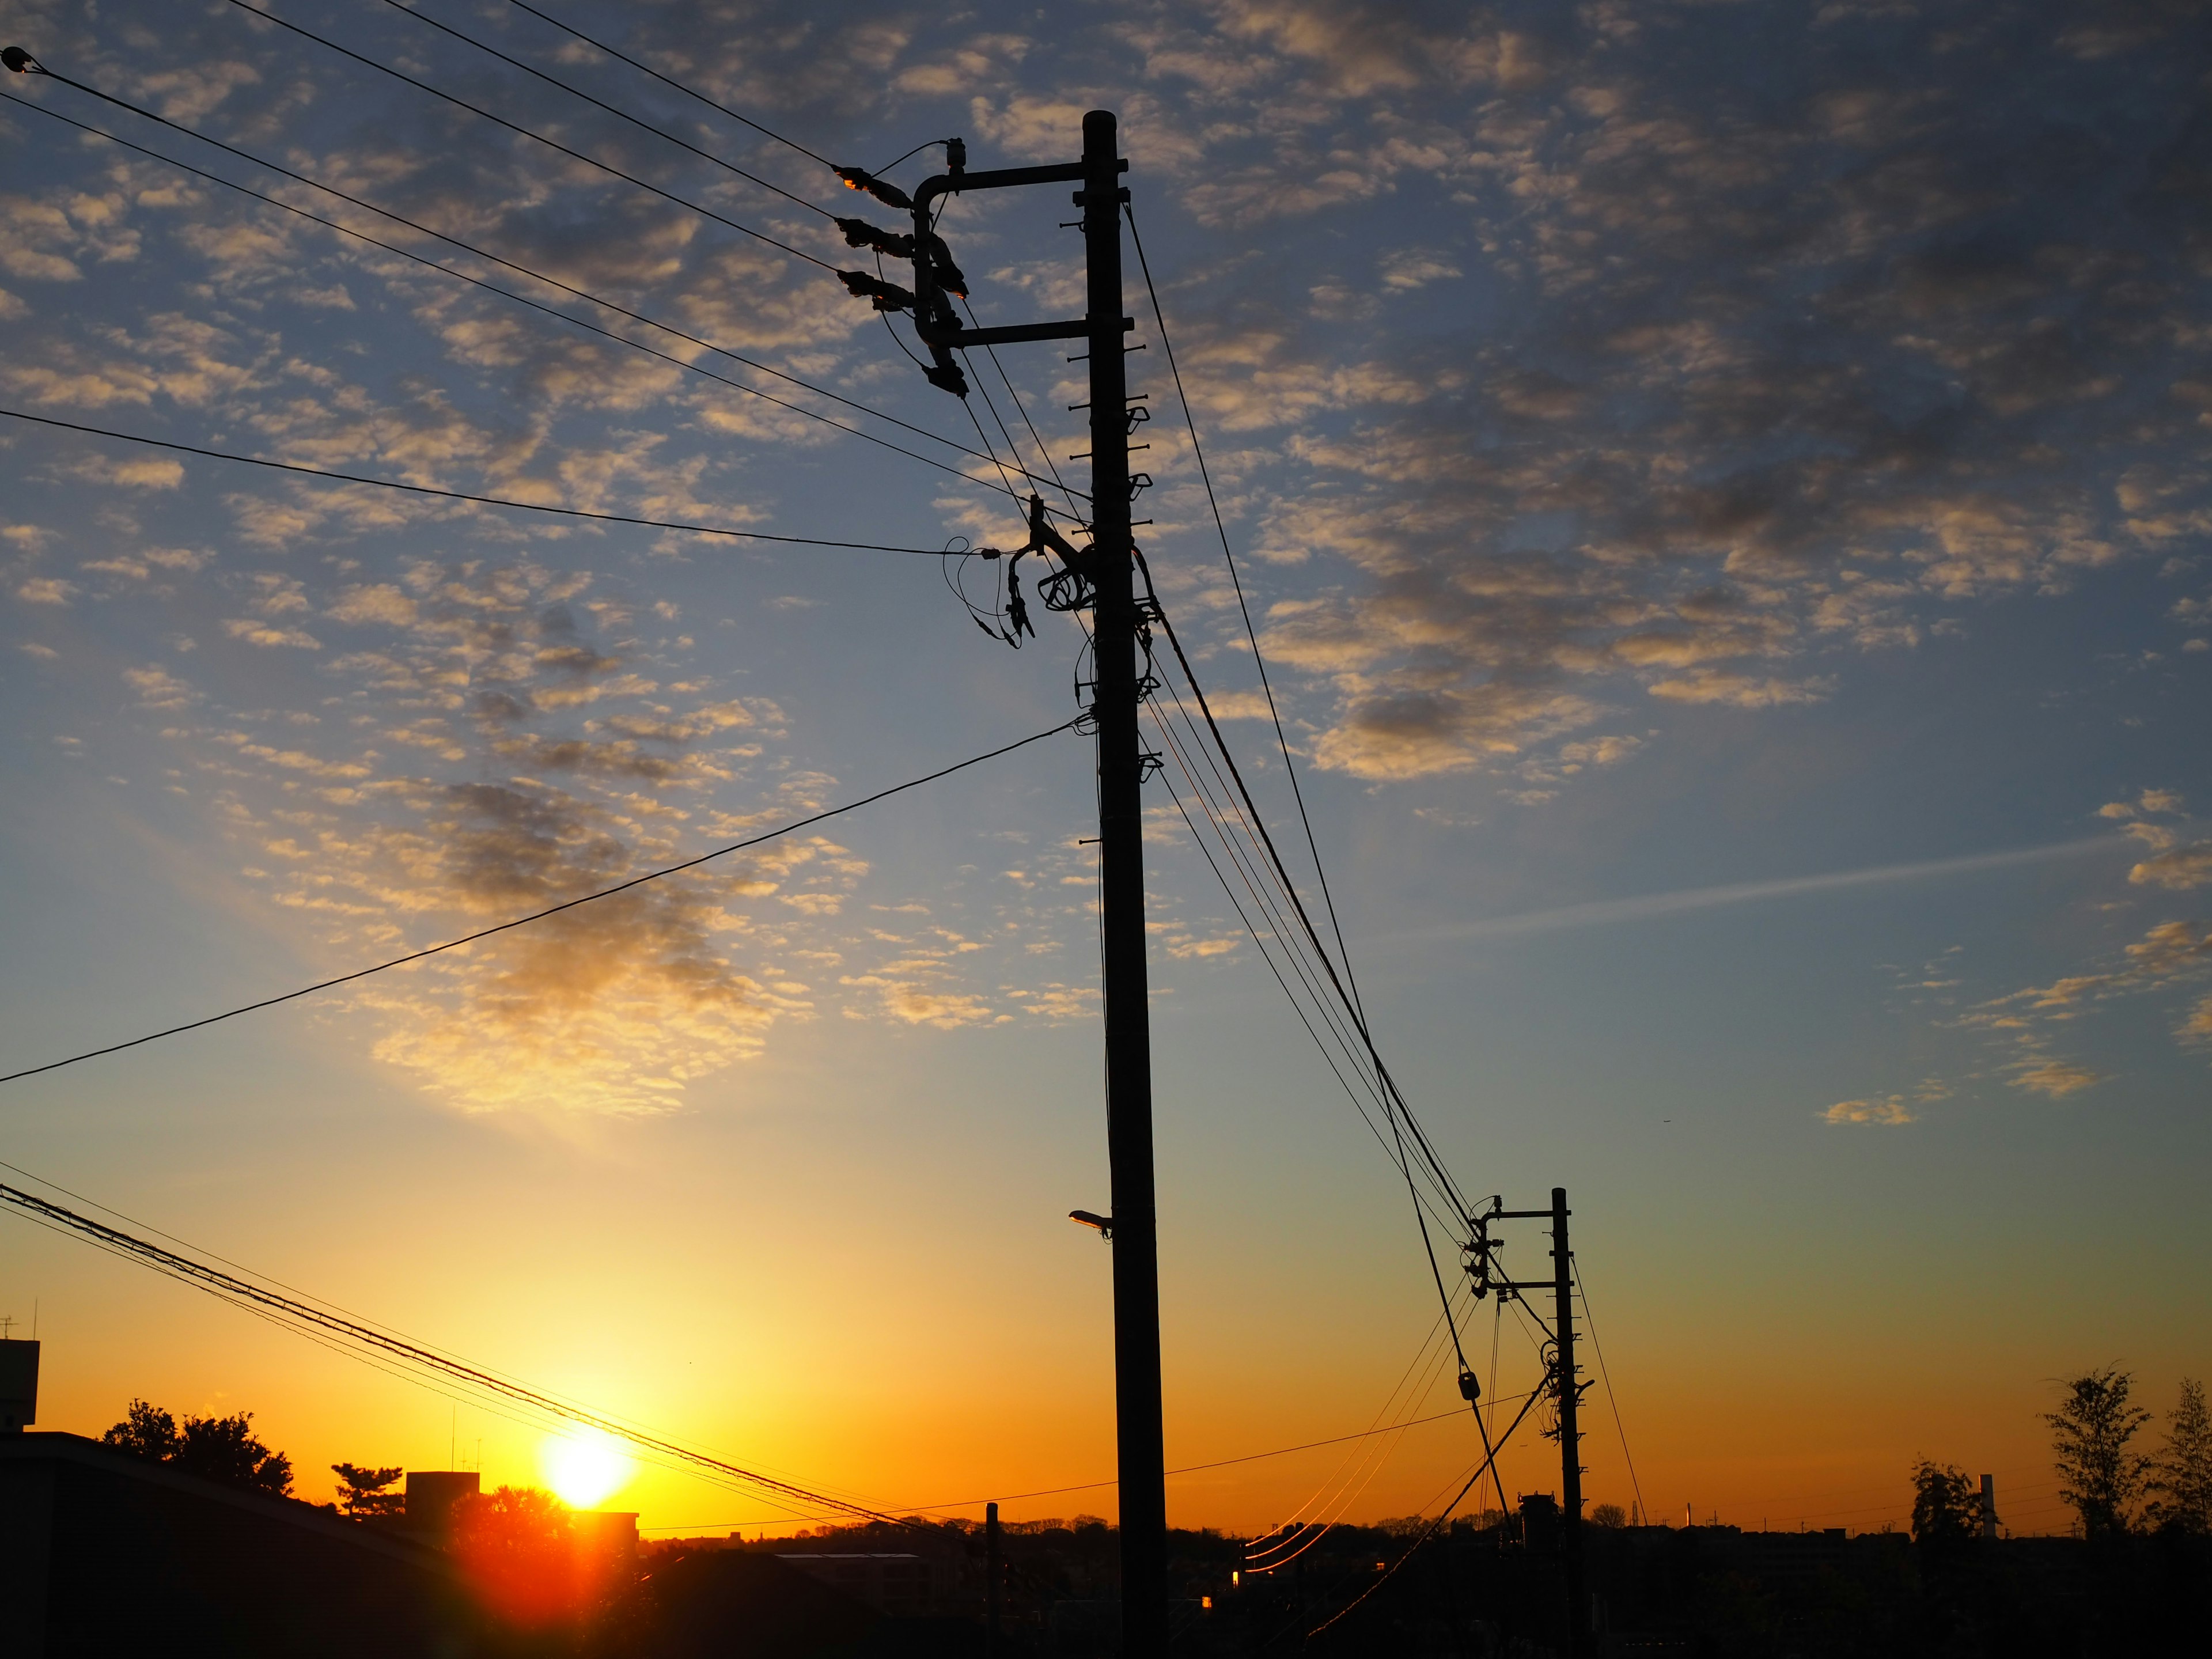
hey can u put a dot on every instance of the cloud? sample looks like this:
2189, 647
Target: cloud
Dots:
254, 631
45, 590
1891, 1109
1714, 686
157, 687
2055, 1077
2181, 867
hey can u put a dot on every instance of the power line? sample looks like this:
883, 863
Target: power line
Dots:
607, 168
233, 1288
1260, 661
577, 92
600, 45
549, 311
462, 496
32, 66
552, 910
1612, 1398
1396, 1099
1095, 1485
1483, 1467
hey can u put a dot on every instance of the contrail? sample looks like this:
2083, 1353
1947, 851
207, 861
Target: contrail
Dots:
1599, 912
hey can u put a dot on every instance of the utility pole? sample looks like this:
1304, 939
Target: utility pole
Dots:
1107, 565
1571, 1440
1566, 1392
993, 1573
1140, 1453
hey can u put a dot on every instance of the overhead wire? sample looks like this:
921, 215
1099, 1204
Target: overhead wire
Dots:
1043, 452
493, 258
425, 17
669, 80
234, 1288
332, 477
1612, 1398
1247, 814
1489, 1461
550, 910
1297, 966
1258, 659
607, 167
1461, 1209
946, 1504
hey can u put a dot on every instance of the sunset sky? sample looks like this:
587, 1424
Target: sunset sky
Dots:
1725, 492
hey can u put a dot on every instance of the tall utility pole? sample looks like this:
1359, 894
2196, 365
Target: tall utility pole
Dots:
1107, 566
1141, 1454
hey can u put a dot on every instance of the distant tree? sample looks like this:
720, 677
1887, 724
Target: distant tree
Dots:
2098, 1476
1947, 1506
149, 1432
365, 1492
223, 1449
2182, 1474
1608, 1514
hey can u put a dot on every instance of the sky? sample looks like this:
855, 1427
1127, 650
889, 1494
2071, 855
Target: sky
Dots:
1722, 492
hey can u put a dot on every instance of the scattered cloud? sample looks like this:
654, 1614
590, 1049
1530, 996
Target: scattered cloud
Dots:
1891, 1109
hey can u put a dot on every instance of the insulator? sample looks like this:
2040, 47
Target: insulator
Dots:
889, 195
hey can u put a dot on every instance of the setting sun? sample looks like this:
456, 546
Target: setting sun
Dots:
585, 1470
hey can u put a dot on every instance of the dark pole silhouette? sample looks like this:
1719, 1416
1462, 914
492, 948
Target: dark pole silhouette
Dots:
1141, 1454
1570, 1397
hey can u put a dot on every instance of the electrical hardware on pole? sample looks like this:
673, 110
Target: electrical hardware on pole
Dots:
1099, 578
1566, 1392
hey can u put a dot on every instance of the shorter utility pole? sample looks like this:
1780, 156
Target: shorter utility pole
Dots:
1571, 1440
1566, 1391
992, 1573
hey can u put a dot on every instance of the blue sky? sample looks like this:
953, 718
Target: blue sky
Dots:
1723, 492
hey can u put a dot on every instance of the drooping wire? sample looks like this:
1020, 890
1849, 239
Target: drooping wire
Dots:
600, 45
293, 1312
598, 103
493, 259
1287, 940
1426, 1151
1043, 452
1205, 473
1612, 1399
607, 167
465, 496
1488, 1462
550, 910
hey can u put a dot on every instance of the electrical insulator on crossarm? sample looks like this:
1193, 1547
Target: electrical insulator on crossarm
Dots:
883, 189
888, 296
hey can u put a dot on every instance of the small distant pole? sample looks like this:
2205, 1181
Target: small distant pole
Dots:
990, 1572
1571, 1440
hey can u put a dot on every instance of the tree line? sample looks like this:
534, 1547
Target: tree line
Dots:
2114, 1487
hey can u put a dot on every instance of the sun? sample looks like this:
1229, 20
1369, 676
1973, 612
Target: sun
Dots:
585, 1468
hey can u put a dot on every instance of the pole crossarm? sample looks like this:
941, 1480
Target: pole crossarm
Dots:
935, 320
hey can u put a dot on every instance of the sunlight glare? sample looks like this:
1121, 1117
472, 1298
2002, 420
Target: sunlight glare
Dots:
586, 1469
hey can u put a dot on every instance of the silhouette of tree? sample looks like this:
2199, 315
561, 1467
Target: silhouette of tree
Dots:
1947, 1506
2089, 1435
1608, 1514
149, 1432
366, 1491
2182, 1476
223, 1449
